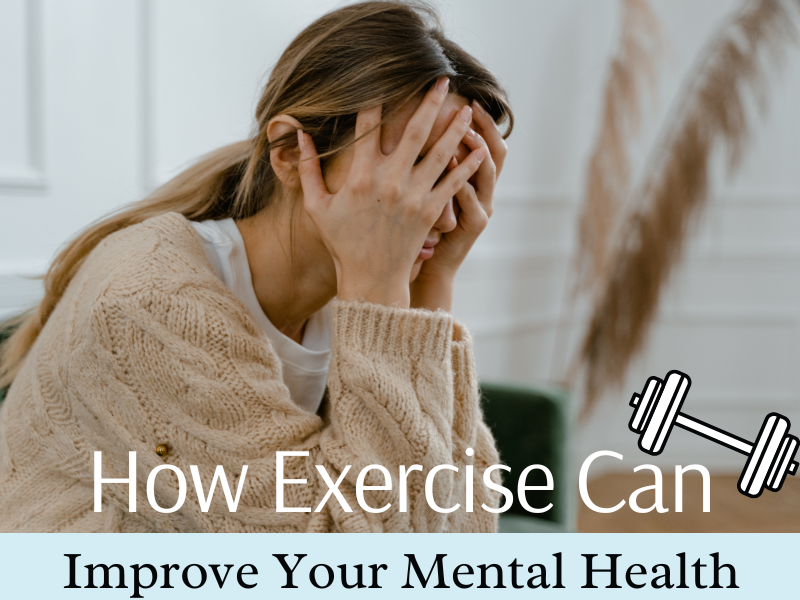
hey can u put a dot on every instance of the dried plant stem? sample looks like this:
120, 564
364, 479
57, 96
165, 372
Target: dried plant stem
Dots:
711, 114
632, 70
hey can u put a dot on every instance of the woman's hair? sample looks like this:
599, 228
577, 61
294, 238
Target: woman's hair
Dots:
352, 59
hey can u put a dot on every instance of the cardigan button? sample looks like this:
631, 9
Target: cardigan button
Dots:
162, 449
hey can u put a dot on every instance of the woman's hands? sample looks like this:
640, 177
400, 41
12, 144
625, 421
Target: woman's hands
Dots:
376, 224
433, 288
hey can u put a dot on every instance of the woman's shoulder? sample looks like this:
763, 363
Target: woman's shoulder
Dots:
158, 262
161, 254
158, 266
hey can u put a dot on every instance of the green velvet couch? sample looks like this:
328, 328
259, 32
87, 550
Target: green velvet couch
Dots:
5, 331
531, 426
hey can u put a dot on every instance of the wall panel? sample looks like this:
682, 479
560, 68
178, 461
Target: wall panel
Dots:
21, 152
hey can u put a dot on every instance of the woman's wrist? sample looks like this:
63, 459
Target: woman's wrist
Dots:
433, 292
387, 293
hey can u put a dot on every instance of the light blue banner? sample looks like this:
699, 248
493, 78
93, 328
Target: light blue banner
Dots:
37, 565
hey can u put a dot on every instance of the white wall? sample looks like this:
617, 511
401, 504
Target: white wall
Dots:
100, 101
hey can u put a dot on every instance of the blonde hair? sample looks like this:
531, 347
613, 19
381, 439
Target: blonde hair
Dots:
351, 59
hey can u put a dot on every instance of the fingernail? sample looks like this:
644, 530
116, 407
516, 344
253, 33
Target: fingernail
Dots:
480, 154
443, 84
479, 107
453, 162
470, 132
466, 114
300, 140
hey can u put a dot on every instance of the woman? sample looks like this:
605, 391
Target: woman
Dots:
289, 293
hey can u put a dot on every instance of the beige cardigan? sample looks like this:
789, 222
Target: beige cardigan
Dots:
147, 347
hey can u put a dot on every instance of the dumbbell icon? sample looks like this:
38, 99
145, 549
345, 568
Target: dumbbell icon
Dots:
658, 411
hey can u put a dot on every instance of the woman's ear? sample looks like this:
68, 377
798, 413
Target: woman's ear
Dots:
284, 158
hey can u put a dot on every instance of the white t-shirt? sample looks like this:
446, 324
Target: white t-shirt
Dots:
305, 366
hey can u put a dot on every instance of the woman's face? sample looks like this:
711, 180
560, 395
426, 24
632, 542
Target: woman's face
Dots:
391, 133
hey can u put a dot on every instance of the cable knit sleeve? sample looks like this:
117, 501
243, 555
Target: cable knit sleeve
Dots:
469, 428
190, 371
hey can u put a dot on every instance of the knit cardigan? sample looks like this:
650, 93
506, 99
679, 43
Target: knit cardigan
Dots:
148, 350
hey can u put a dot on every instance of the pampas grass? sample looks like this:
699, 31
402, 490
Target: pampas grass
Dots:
711, 114
631, 72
